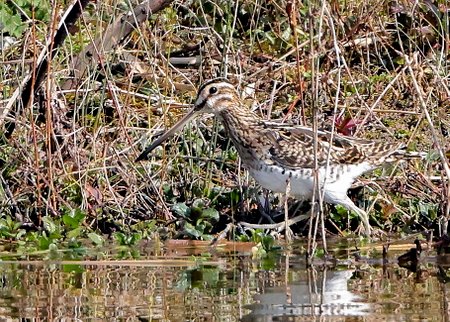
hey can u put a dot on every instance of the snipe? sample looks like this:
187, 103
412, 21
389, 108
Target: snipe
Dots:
276, 154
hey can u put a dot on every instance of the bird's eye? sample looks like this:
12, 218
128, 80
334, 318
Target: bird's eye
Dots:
213, 90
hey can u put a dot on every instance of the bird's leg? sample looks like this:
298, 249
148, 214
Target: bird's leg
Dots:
222, 234
361, 213
264, 207
279, 227
266, 201
289, 235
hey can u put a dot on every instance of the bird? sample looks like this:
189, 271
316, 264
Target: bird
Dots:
280, 154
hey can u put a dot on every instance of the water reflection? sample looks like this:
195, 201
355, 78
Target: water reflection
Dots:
322, 293
228, 286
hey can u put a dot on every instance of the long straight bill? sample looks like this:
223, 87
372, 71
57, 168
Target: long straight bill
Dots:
174, 129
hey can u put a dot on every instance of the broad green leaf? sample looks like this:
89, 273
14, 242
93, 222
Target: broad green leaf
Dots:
181, 209
74, 233
191, 230
49, 225
211, 213
96, 239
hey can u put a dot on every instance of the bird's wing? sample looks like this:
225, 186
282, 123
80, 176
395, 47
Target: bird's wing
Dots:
293, 147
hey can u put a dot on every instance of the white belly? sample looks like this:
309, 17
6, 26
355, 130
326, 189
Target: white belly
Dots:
276, 181
302, 182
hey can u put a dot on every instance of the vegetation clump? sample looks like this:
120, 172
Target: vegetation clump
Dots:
365, 69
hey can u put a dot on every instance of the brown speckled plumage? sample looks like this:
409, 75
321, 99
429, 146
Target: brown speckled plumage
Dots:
276, 153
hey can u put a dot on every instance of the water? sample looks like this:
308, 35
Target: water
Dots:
183, 282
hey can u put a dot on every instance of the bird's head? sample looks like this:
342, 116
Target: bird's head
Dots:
214, 96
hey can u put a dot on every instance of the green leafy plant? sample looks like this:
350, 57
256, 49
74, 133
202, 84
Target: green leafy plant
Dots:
127, 239
10, 229
127, 244
73, 221
14, 15
197, 220
265, 243
11, 22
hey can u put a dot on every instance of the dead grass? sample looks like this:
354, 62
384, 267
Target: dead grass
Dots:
383, 66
